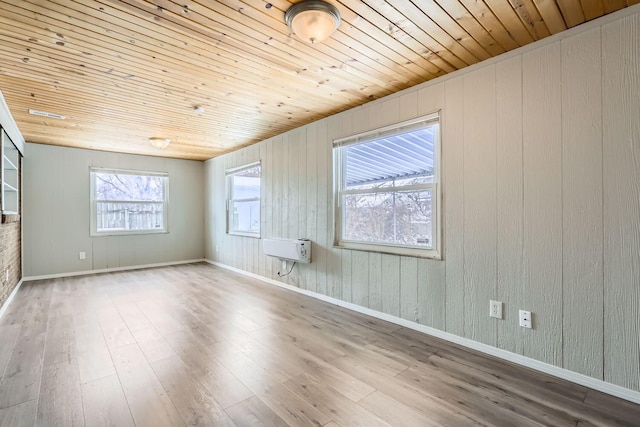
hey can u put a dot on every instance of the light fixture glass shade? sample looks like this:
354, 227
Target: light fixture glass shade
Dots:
313, 21
160, 143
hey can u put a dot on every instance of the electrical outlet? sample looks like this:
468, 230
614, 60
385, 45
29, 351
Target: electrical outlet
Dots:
495, 309
82, 255
284, 266
525, 319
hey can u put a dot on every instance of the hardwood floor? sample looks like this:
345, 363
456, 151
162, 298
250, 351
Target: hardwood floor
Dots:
199, 345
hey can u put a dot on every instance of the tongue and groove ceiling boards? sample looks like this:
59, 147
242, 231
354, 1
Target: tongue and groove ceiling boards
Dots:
122, 71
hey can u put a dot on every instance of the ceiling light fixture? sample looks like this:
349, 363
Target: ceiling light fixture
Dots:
312, 20
159, 143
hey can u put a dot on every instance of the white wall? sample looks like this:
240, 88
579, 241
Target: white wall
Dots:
56, 212
541, 162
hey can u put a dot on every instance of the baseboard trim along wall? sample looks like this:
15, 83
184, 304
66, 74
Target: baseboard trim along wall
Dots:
584, 380
110, 270
8, 301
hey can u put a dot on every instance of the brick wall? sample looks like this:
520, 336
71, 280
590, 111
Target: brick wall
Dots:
9, 258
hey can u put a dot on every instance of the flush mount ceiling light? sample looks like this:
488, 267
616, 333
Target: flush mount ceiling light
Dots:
159, 143
312, 20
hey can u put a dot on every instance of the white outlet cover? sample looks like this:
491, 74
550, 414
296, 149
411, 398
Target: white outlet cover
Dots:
495, 309
82, 255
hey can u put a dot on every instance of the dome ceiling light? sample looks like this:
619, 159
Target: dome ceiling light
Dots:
313, 21
159, 143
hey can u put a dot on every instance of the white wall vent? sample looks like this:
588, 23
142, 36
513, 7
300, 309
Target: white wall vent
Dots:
288, 249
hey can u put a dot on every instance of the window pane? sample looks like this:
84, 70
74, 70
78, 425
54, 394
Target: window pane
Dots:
397, 218
127, 187
129, 216
403, 159
246, 184
244, 216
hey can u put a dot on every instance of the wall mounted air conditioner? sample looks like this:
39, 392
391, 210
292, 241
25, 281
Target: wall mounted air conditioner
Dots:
288, 249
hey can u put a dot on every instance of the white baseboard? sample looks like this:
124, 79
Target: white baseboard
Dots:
8, 301
110, 270
584, 380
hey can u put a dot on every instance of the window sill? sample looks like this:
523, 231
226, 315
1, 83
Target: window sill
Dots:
127, 233
243, 234
391, 250
9, 217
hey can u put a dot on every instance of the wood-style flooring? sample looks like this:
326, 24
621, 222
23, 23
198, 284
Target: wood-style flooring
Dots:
199, 345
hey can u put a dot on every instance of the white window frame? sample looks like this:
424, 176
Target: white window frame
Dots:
228, 174
339, 169
94, 203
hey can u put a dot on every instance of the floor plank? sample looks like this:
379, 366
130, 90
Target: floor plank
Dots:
104, 403
21, 380
148, 400
60, 401
190, 395
199, 345
20, 415
253, 413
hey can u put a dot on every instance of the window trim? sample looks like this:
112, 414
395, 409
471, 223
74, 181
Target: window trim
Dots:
94, 208
228, 173
339, 172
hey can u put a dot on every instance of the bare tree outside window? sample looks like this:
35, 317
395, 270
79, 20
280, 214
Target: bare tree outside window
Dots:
387, 188
128, 202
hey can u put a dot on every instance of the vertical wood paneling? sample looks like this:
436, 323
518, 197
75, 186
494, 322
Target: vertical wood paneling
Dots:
375, 281
408, 106
268, 171
312, 204
360, 278
431, 274
582, 222
302, 199
293, 229
408, 288
430, 99
543, 203
621, 167
262, 261
339, 125
480, 203
453, 206
390, 284
278, 206
347, 282
539, 211
431, 293
323, 220
509, 208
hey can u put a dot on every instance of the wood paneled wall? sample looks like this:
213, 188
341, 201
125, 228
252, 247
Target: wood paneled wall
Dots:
56, 212
541, 210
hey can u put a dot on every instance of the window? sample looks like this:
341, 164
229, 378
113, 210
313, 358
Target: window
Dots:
128, 202
386, 189
243, 200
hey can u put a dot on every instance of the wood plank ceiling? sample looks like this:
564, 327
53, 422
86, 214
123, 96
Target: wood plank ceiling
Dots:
123, 71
